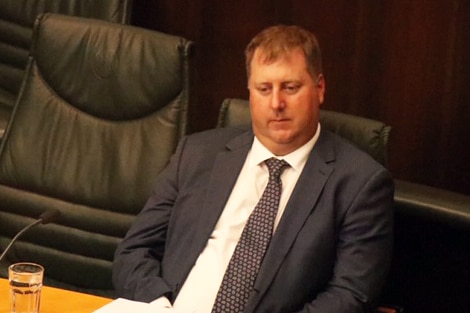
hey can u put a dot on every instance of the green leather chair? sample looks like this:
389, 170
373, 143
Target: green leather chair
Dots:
99, 114
16, 29
369, 135
424, 202
432, 225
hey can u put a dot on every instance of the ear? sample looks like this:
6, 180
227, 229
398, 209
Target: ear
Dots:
321, 86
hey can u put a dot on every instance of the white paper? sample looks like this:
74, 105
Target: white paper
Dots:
121, 305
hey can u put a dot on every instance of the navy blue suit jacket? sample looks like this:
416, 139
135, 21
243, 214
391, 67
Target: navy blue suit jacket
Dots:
330, 252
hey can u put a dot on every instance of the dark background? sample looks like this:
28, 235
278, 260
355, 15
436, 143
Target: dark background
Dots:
403, 62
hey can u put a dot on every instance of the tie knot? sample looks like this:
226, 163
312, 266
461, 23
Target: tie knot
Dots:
275, 167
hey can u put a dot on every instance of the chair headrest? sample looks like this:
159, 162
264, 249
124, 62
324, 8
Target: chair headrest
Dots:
369, 135
107, 57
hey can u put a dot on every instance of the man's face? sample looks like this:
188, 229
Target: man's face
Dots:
284, 101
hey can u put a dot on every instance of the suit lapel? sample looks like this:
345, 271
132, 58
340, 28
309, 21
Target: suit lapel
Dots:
301, 203
223, 175
225, 171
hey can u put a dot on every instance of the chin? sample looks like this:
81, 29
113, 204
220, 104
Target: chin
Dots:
283, 141
282, 136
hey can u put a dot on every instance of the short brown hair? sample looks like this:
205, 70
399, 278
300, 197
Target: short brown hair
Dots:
277, 41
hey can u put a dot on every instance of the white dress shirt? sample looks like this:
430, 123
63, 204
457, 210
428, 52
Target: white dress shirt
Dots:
200, 289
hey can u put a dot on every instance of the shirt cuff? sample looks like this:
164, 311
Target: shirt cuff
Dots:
161, 302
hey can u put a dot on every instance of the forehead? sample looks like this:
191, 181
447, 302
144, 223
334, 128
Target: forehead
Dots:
291, 63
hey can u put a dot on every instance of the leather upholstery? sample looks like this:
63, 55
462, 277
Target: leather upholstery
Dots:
101, 111
369, 135
432, 224
433, 204
372, 136
16, 28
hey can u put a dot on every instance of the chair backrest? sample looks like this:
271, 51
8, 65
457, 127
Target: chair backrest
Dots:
16, 29
99, 114
367, 134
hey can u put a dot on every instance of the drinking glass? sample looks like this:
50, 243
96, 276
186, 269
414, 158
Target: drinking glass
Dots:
25, 287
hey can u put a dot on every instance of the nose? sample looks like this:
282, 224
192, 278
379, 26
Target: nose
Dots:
277, 101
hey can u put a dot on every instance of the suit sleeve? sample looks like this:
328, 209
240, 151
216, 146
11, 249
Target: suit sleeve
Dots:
364, 250
137, 260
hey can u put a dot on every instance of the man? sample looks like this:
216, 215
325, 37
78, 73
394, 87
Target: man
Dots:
332, 232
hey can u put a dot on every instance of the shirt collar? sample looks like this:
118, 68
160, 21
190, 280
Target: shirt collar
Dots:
296, 159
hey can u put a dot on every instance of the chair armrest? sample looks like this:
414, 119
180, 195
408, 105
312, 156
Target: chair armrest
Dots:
432, 203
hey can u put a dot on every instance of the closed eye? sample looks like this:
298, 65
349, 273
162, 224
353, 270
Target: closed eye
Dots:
291, 88
263, 89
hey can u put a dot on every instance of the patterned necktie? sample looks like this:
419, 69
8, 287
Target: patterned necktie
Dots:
246, 259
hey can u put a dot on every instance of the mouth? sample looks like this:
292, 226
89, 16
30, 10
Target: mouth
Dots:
279, 121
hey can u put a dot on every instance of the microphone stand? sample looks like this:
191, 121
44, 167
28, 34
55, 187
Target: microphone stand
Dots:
18, 235
45, 218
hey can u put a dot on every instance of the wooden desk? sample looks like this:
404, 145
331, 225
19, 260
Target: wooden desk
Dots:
55, 300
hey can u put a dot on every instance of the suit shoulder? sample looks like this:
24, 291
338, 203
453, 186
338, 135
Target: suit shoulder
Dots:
223, 132
349, 154
219, 139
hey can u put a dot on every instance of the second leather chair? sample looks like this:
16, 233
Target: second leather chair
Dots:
98, 117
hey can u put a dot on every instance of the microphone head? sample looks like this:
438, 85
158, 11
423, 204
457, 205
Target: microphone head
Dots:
49, 216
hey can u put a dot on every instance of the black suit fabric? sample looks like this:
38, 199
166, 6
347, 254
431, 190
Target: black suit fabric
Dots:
330, 252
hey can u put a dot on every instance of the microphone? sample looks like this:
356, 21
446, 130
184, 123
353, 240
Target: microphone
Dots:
49, 216
45, 218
